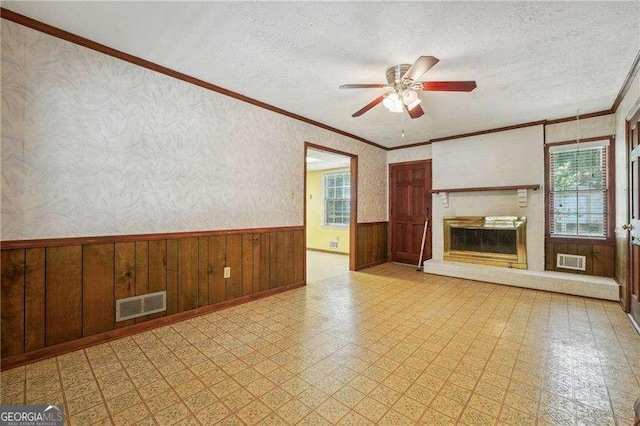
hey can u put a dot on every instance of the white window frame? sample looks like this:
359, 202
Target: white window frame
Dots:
607, 186
346, 197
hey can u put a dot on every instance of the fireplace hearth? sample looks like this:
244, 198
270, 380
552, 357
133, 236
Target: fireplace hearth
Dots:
491, 240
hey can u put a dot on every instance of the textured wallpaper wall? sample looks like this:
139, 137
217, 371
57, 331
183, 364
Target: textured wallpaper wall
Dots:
92, 145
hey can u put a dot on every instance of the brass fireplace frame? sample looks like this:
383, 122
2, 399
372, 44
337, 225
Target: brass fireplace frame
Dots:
519, 224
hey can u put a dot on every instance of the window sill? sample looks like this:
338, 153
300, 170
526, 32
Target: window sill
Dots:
332, 226
580, 240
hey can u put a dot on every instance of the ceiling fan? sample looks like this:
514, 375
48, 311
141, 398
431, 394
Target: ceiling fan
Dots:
402, 79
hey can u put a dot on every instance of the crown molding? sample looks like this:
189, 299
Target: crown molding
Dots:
466, 135
82, 41
635, 67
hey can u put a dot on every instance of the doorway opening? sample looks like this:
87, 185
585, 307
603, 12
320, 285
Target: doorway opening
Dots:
329, 212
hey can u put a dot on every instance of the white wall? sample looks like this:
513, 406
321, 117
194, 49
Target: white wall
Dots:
587, 128
513, 157
409, 154
92, 145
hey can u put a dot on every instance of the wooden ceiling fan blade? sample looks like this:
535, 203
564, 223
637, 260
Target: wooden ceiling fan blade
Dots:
363, 86
420, 66
415, 112
370, 105
448, 86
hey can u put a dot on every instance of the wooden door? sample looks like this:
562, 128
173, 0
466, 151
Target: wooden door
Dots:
410, 205
633, 279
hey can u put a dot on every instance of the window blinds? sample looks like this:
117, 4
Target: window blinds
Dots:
578, 190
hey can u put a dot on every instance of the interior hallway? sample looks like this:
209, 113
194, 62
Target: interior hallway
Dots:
389, 345
321, 265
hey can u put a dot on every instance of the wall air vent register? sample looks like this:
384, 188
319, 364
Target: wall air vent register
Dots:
137, 306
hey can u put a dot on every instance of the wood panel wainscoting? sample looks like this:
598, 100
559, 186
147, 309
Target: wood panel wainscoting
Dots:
59, 295
600, 256
372, 244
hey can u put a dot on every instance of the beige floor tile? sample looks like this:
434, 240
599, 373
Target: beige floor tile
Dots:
349, 396
213, 413
238, 399
172, 414
371, 409
363, 384
312, 397
200, 400
275, 398
293, 411
514, 417
394, 418
434, 417
92, 415
188, 388
188, 421
162, 400
409, 408
314, 418
354, 419
490, 391
447, 406
385, 346
253, 413
83, 402
385, 395
131, 415
123, 401
474, 417
332, 410
455, 392
110, 392
521, 403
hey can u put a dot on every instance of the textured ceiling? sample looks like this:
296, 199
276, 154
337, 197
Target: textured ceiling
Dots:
531, 60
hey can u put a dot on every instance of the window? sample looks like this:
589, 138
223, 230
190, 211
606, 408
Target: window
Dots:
337, 198
579, 190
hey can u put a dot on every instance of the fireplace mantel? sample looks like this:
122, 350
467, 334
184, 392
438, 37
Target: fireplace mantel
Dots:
521, 192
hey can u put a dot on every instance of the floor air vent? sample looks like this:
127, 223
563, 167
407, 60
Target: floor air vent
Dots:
137, 306
571, 261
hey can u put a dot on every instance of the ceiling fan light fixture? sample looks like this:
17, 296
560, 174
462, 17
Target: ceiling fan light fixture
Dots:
413, 104
410, 99
392, 102
409, 96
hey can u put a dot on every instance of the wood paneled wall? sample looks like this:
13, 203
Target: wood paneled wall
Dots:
600, 258
65, 290
371, 244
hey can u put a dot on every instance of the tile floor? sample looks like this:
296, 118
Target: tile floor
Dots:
385, 346
321, 265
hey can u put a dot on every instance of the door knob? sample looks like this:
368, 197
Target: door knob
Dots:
627, 227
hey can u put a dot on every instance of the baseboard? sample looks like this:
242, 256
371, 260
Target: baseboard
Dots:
634, 323
371, 265
327, 251
84, 342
